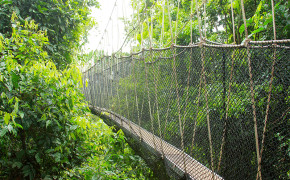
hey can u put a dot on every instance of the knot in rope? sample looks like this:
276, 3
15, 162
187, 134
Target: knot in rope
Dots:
246, 42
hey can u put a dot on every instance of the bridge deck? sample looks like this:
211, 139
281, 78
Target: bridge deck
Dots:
180, 160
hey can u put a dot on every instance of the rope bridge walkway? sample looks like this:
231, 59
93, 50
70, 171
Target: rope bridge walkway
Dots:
207, 110
204, 108
170, 153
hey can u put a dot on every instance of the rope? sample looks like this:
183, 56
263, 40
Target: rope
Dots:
207, 112
191, 19
254, 109
169, 17
108, 22
270, 86
198, 17
162, 28
244, 18
204, 6
178, 1
273, 16
233, 21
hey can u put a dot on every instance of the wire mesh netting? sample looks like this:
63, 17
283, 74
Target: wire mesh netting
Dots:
206, 108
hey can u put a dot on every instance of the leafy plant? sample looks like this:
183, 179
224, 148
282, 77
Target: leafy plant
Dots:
42, 111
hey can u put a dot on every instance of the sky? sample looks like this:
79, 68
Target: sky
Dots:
115, 34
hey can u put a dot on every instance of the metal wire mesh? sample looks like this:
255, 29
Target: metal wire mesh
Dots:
203, 108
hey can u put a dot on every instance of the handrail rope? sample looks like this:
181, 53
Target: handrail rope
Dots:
149, 102
175, 38
270, 85
179, 113
207, 110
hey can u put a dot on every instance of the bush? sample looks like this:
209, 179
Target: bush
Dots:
42, 111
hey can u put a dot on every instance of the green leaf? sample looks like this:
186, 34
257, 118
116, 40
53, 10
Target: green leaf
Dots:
3, 132
6, 117
48, 122
242, 29
21, 114
17, 164
10, 128
256, 31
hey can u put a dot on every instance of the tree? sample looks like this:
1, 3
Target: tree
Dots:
66, 21
42, 109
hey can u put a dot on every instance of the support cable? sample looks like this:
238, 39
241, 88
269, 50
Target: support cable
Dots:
252, 92
204, 12
162, 28
107, 23
176, 23
270, 85
191, 19
244, 18
199, 21
207, 111
169, 17
233, 21
229, 92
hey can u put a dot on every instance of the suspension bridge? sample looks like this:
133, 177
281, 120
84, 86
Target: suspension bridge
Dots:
206, 110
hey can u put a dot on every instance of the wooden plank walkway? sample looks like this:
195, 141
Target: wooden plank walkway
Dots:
180, 160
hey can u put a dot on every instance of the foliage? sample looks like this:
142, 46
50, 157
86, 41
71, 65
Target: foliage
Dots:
45, 127
42, 111
111, 156
66, 21
145, 89
219, 25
